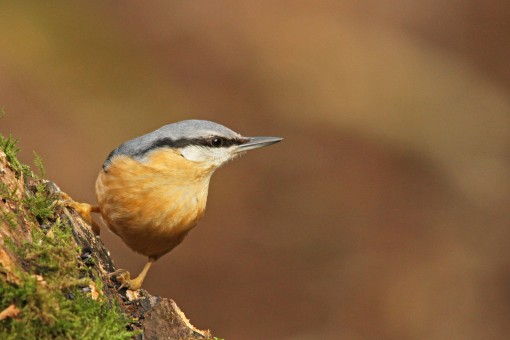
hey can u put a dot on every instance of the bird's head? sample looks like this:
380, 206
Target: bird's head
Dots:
199, 141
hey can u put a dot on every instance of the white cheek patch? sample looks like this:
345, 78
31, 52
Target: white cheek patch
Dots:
209, 156
195, 153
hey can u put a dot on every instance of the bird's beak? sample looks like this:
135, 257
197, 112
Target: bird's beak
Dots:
256, 142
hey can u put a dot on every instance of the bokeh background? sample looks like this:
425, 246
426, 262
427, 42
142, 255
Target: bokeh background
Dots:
383, 214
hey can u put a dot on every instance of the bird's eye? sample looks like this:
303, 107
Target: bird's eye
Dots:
217, 142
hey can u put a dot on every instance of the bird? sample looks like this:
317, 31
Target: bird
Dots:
152, 190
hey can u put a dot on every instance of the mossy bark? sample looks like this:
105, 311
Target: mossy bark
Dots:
47, 252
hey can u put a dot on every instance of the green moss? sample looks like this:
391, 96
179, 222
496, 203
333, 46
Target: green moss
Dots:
52, 295
8, 194
10, 218
38, 162
52, 289
49, 314
40, 203
10, 148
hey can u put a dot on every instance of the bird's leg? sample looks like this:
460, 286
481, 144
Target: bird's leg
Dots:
83, 209
124, 278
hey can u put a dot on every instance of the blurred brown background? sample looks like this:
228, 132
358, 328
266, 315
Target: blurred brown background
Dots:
384, 213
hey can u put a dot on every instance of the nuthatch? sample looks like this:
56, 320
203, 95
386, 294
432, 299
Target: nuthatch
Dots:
152, 190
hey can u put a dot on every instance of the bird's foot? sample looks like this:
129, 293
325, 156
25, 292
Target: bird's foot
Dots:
123, 277
83, 209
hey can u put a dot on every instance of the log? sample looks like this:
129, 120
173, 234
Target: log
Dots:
24, 217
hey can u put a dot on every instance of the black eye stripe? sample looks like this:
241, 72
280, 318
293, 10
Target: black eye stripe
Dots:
208, 142
219, 142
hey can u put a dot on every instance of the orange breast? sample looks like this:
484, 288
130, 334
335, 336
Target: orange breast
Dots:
152, 205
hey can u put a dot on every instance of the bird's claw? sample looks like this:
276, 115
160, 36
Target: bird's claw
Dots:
83, 209
123, 277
